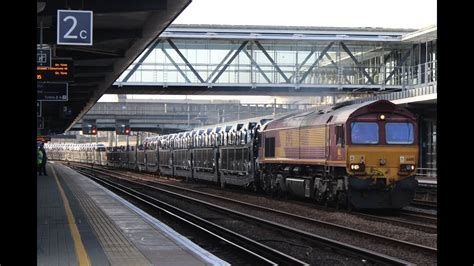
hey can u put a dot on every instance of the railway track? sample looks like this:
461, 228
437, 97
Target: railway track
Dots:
424, 204
405, 218
253, 251
389, 241
429, 228
423, 217
409, 219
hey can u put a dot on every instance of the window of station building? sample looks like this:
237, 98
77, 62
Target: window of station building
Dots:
270, 147
340, 135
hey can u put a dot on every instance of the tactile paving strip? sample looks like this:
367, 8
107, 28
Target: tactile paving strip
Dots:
118, 249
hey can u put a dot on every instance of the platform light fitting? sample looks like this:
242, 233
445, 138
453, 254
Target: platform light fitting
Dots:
40, 6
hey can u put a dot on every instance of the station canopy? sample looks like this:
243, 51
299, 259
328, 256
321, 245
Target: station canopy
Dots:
122, 29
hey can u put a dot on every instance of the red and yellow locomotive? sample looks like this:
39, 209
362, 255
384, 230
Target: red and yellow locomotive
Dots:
361, 155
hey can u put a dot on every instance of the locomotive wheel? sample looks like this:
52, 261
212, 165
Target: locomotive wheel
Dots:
341, 200
319, 197
326, 203
350, 207
279, 192
253, 187
275, 191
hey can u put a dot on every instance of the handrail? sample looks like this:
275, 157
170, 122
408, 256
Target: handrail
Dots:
427, 172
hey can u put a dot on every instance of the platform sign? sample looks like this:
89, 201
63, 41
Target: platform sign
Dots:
43, 57
60, 70
51, 91
74, 27
38, 108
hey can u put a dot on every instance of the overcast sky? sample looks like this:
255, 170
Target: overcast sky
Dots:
328, 13
413, 14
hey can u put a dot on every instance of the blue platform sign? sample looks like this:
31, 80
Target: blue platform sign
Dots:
74, 27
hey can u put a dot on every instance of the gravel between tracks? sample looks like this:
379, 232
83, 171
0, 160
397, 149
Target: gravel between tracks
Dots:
346, 219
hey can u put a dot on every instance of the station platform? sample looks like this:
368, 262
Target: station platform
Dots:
423, 181
80, 222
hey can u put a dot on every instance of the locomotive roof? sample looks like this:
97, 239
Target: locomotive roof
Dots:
337, 114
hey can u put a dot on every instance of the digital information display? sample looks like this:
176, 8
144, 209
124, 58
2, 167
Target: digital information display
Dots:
60, 70
51, 91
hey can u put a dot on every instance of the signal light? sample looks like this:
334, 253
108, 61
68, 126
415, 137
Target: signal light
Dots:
94, 131
123, 129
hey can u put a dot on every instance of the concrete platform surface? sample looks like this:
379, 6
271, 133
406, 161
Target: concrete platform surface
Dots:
80, 222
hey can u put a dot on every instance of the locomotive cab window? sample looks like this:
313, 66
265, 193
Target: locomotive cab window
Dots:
270, 147
364, 133
399, 133
340, 135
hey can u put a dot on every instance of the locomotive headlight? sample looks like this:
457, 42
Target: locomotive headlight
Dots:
382, 117
357, 167
382, 161
407, 167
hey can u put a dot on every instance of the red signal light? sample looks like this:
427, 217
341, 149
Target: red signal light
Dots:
94, 131
127, 131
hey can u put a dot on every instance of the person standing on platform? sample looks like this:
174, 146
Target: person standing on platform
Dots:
39, 159
42, 158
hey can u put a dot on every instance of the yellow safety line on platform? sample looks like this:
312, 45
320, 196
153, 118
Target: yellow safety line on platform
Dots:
81, 253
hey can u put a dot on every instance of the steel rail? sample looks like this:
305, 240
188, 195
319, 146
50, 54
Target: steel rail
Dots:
357, 251
261, 253
428, 228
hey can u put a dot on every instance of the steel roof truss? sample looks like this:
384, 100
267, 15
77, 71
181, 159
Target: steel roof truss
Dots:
361, 67
316, 62
230, 61
220, 64
404, 58
304, 62
272, 61
175, 65
256, 65
139, 63
334, 63
185, 60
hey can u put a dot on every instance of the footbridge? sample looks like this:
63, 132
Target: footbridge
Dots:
285, 61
